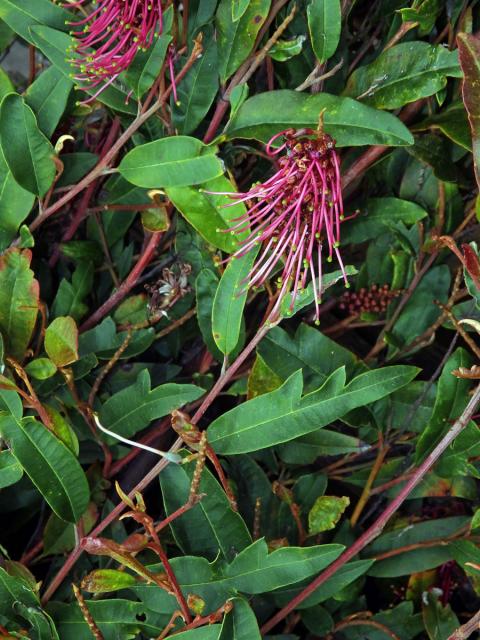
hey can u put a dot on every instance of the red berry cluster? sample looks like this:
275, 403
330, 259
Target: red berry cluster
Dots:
375, 299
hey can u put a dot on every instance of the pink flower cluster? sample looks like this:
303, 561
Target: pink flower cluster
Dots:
113, 32
295, 215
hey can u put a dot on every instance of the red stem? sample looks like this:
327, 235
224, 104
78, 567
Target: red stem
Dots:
127, 284
377, 527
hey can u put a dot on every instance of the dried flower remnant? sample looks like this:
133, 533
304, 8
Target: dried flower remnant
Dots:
110, 36
375, 299
295, 215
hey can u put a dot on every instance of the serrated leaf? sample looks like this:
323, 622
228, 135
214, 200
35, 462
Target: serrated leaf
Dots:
283, 415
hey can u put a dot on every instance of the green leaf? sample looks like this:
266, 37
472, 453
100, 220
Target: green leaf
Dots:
283, 415
10, 469
229, 302
324, 25
254, 570
197, 90
404, 73
439, 619
381, 212
283, 50
41, 368
14, 590
240, 623
305, 350
11, 217
211, 527
424, 14
208, 212
450, 401
6, 85
307, 449
325, 513
331, 588
262, 379
61, 341
49, 464
307, 296
20, 15
205, 287
236, 37
469, 51
350, 122
19, 300
55, 44
27, 151
134, 407
70, 295
48, 97
238, 8
117, 620
177, 161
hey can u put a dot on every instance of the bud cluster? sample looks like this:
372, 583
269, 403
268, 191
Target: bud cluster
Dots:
375, 299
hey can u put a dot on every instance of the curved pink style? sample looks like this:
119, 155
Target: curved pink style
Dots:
110, 36
295, 215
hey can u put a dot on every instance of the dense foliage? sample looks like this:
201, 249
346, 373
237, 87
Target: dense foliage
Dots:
239, 318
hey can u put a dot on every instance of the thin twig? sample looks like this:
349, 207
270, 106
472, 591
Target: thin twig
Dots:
312, 78
466, 630
87, 616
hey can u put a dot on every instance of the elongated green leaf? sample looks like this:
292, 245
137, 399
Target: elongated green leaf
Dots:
406, 72
324, 24
208, 213
240, 623
342, 578
283, 415
381, 212
12, 591
237, 37
254, 570
350, 122
439, 620
450, 401
47, 97
10, 469
54, 45
178, 161
133, 408
197, 90
19, 300
211, 527
238, 8
469, 51
20, 15
205, 287
27, 151
229, 302
49, 464
10, 191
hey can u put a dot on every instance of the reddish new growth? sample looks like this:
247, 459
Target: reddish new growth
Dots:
109, 37
295, 215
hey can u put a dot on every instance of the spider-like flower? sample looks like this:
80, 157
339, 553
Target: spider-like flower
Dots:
110, 36
295, 215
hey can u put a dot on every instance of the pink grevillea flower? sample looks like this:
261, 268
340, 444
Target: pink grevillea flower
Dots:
295, 215
109, 37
